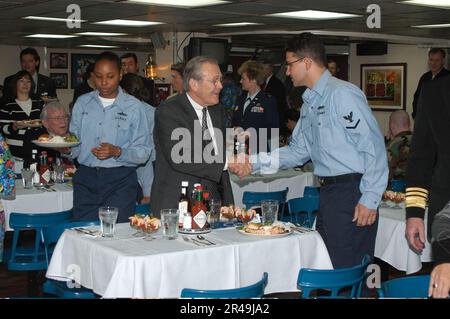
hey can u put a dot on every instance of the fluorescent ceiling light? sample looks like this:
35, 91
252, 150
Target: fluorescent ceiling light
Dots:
237, 24
180, 3
429, 3
98, 46
101, 34
313, 15
432, 26
51, 36
52, 19
128, 23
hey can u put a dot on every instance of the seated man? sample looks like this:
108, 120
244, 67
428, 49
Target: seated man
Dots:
399, 144
55, 121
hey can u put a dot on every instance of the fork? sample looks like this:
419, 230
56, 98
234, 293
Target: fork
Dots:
207, 242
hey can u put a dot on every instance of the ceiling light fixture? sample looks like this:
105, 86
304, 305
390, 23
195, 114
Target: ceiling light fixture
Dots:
429, 3
432, 26
101, 34
128, 23
237, 24
180, 3
52, 19
99, 46
313, 15
51, 36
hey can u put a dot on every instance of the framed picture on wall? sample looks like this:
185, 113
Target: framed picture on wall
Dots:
61, 80
79, 64
162, 92
58, 60
384, 85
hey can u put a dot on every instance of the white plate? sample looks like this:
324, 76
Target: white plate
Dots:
259, 235
21, 124
194, 231
55, 145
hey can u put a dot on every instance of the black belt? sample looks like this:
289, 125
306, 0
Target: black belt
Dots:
347, 178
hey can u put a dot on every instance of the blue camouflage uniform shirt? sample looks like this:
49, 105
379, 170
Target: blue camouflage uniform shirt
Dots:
339, 133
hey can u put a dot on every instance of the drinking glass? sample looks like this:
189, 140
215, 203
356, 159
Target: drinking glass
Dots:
27, 178
108, 218
169, 221
269, 210
59, 173
214, 213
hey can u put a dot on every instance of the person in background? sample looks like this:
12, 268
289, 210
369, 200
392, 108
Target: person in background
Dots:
129, 62
292, 117
339, 133
436, 62
274, 87
228, 96
133, 85
87, 86
113, 129
399, 144
332, 67
254, 108
176, 78
21, 106
44, 87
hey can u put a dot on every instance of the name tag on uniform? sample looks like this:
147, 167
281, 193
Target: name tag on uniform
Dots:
257, 109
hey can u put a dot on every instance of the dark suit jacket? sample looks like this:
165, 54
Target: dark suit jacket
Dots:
177, 113
276, 88
429, 162
44, 85
428, 76
260, 113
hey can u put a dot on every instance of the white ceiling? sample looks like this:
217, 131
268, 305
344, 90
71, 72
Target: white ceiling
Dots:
396, 20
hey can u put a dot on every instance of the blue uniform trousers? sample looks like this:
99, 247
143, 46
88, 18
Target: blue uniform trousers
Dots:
96, 187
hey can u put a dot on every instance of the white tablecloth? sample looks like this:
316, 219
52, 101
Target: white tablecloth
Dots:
391, 244
38, 201
295, 180
126, 266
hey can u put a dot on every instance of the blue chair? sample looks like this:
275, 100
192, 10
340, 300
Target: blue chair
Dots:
406, 287
142, 209
397, 185
303, 210
311, 191
335, 280
253, 291
60, 288
252, 199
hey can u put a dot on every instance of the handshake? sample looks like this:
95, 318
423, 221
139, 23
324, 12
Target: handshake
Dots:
240, 165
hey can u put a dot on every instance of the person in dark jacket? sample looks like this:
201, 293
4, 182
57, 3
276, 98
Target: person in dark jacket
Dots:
87, 86
254, 108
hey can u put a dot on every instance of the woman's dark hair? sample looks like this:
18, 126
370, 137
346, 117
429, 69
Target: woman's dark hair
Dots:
292, 114
111, 57
179, 67
89, 70
134, 85
16, 78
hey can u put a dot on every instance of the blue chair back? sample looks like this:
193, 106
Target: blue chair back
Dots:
253, 291
397, 185
31, 258
303, 210
252, 199
406, 287
335, 280
142, 209
51, 235
311, 191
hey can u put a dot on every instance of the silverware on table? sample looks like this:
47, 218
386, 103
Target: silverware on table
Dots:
200, 237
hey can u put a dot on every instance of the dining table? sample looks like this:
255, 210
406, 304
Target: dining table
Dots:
126, 266
391, 245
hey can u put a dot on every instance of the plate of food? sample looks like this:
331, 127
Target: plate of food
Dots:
29, 123
261, 230
45, 140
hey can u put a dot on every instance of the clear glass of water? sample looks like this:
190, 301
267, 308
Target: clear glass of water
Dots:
214, 212
27, 178
108, 218
59, 173
169, 223
269, 210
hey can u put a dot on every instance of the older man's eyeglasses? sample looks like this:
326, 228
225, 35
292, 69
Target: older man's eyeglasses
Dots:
289, 64
58, 118
214, 82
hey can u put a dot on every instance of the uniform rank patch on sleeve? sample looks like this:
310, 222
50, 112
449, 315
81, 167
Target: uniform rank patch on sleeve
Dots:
349, 117
354, 126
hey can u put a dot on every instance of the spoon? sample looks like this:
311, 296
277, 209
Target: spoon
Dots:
204, 239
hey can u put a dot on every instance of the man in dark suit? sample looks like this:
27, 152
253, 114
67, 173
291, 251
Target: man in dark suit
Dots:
428, 170
189, 139
273, 86
436, 61
130, 65
29, 61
